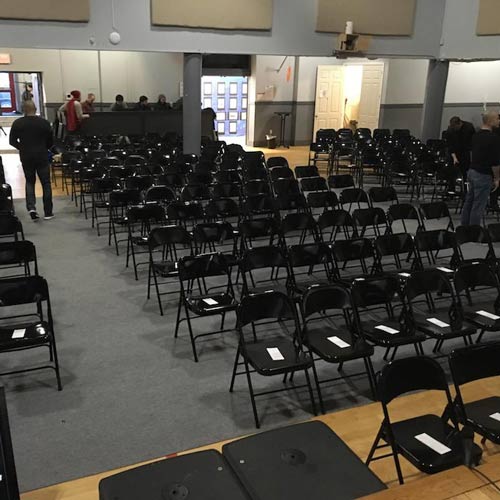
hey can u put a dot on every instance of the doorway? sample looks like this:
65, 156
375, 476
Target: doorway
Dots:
228, 97
348, 96
16, 87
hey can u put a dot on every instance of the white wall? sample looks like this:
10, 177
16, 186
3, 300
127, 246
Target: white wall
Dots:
306, 91
293, 32
405, 81
127, 73
459, 39
270, 81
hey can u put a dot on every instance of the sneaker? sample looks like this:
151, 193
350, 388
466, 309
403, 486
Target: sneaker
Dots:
49, 216
34, 216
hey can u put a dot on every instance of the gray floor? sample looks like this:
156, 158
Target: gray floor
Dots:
131, 392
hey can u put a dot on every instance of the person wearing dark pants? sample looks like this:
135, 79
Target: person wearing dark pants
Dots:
32, 136
485, 162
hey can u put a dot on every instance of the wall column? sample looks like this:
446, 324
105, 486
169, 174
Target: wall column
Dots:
191, 104
437, 78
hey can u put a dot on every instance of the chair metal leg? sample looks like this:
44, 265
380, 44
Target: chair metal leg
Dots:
252, 397
373, 449
311, 394
316, 381
371, 377
235, 369
191, 336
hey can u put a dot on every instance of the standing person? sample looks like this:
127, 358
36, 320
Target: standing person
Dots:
28, 92
119, 104
143, 104
162, 104
32, 136
484, 164
73, 112
88, 104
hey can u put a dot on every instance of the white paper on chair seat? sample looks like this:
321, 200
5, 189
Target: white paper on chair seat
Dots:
405, 275
445, 269
387, 329
339, 342
275, 354
433, 444
19, 334
438, 322
210, 302
486, 314
495, 416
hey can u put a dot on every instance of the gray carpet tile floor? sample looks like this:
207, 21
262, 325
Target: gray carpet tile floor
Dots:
131, 391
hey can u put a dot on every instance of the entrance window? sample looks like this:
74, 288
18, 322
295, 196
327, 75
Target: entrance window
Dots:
7, 92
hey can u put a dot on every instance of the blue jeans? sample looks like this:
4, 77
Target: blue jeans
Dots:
479, 188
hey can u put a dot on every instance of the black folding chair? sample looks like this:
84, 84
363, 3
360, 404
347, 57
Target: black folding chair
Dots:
427, 441
270, 351
16, 257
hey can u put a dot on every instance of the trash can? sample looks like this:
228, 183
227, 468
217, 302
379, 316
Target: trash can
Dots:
271, 141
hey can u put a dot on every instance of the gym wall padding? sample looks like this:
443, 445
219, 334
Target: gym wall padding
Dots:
216, 14
46, 10
370, 17
488, 20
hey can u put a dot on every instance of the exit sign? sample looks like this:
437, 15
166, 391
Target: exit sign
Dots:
5, 59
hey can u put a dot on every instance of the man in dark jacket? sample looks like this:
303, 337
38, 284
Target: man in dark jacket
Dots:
32, 136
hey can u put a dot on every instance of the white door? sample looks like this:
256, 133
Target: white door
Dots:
329, 107
371, 96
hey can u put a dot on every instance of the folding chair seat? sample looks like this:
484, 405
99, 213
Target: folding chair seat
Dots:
166, 246
358, 250
344, 151
277, 161
282, 172
469, 364
400, 249
119, 202
109, 161
478, 289
362, 134
415, 438
250, 173
10, 228
439, 323
28, 324
309, 264
368, 161
217, 237
186, 214
264, 268
202, 294
265, 350
306, 171
320, 152
370, 218
383, 316
403, 212
140, 221
331, 334
16, 257
174, 180
435, 212
381, 133
298, 227
66, 158
474, 243
87, 175
96, 154
253, 159
430, 244
286, 187
258, 231
331, 222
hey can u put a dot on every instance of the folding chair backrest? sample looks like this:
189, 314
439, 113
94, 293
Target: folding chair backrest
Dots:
353, 249
319, 298
262, 258
435, 240
12, 252
25, 290
146, 213
393, 244
194, 267
475, 362
309, 254
169, 235
410, 374
340, 181
475, 274
375, 291
472, 234
266, 305
428, 281
382, 194
306, 171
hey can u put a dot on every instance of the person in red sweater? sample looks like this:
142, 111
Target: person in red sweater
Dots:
72, 113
